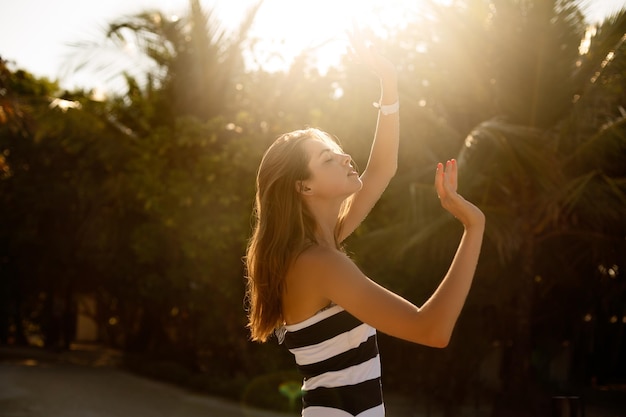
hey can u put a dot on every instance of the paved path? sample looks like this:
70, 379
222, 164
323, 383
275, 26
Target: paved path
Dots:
32, 389
84, 383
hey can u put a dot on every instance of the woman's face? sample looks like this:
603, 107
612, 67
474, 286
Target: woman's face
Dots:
332, 173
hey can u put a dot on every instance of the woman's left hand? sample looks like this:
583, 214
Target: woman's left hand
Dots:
446, 186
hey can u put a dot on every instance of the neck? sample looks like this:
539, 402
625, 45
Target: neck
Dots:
326, 216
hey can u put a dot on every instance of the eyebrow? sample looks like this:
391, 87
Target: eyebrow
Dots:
324, 150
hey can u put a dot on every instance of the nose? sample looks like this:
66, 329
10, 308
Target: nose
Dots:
347, 159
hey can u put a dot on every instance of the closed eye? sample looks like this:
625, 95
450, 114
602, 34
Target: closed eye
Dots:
329, 153
332, 155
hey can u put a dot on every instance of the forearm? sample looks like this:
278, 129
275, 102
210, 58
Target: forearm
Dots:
441, 311
383, 158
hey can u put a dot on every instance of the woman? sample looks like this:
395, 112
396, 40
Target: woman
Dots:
303, 287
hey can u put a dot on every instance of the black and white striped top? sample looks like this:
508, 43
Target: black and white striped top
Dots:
337, 355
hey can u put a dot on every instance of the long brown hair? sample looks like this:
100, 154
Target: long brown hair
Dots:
283, 228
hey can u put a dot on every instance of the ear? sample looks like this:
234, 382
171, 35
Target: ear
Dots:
302, 188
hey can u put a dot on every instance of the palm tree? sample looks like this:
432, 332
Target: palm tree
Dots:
171, 123
187, 66
543, 181
543, 154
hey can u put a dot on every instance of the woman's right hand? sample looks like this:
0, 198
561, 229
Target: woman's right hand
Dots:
367, 53
446, 186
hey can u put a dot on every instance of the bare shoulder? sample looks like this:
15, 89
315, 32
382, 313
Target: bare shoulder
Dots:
332, 274
325, 271
306, 290
323, 262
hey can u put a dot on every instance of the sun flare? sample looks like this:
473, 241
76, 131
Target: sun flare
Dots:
288, 28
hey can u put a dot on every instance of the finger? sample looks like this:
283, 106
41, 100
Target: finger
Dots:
355, 26
360, 49
453, 174
449, 173
450, 176
360, 40
353, 35
356, 35
439, 180
355, 42
444, 177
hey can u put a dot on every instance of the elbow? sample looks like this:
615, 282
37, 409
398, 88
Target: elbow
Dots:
437, 339
431, 333
440, 343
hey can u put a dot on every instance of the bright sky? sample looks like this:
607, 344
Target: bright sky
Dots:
35, 33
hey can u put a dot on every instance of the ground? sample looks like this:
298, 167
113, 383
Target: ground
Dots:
86, 383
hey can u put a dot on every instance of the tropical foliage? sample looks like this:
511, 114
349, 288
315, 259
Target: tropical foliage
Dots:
143, 200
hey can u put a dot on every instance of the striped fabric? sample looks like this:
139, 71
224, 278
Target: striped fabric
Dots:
338, 357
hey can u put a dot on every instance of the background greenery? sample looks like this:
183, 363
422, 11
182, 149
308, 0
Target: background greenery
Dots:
143, 200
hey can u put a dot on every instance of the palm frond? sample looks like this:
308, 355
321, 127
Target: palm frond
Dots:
604, 46
602, 149
595, 201
521, 154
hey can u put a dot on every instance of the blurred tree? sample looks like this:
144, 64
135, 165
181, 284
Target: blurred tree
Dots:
198, 63
54, 159
185, 239
144, 199
188, 184
542, 181
14, 128
511, 75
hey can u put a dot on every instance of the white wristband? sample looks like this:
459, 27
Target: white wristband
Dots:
388, 109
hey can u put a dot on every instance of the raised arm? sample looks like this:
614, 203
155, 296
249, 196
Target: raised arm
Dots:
447, 301
338, 279
383, 159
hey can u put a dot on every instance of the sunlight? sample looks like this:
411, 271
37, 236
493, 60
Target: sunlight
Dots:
64, 105
286, 29
586, 42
